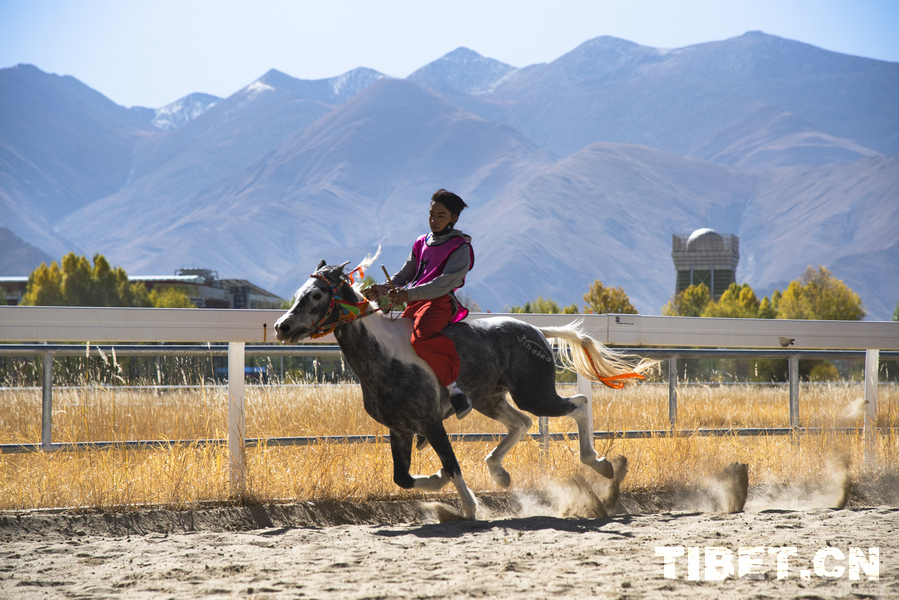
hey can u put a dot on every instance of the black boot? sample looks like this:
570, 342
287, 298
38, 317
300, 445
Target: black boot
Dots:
461, 404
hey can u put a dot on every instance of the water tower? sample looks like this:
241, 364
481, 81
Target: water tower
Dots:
705, 256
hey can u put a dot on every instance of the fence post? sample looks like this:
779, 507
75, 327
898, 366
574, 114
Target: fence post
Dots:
543, 430
236, 419
672, 391
47, 404
794, 391
872, 364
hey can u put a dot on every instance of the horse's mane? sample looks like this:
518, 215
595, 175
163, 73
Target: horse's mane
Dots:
363, 267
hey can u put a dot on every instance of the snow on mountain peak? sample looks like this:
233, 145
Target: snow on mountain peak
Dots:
352, 82
257, 87
464, 70
180, 112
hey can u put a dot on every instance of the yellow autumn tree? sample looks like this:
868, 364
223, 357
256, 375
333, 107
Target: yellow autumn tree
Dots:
170, 297
689, 303
601, 299
77, 282
737, 301
817, 294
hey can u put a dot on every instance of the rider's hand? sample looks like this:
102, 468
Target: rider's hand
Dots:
375, 291
399, 296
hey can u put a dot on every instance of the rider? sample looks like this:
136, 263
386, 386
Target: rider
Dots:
436, 267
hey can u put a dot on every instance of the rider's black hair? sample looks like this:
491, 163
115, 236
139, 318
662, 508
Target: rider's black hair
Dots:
451, 201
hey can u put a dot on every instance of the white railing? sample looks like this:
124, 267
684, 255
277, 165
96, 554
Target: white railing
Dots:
238, 327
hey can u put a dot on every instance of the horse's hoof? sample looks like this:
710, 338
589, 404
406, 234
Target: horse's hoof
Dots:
500, 476
604, 468
447, 514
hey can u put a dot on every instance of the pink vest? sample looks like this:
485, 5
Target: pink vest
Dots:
432, 260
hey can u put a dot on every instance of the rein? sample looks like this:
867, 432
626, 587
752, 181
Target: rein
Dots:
613, 381
347, 312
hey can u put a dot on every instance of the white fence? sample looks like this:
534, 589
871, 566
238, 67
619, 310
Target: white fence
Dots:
238, 327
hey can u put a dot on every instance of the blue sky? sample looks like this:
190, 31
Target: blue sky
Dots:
145, 53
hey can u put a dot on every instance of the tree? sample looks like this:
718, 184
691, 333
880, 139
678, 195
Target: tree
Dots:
737, 301
44, 287
77, 283
547, 306
896, 312
821, 296
767, 309
76, 280
134, 294
776, 295
170, 297
689, 303
606, 300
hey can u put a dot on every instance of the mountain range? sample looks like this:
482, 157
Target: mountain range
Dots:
575, 170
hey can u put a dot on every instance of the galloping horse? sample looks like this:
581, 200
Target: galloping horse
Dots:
498, 355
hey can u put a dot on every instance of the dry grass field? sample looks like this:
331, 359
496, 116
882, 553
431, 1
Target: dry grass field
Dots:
186, 475
326, 520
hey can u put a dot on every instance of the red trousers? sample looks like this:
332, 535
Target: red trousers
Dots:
429, 317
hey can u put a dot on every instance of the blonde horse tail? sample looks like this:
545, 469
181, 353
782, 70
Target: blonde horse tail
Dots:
582, 354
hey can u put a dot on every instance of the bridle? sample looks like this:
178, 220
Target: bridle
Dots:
347, 311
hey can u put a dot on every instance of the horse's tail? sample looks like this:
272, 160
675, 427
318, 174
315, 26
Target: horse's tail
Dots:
587, 356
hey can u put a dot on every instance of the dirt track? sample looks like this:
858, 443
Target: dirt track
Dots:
399, 550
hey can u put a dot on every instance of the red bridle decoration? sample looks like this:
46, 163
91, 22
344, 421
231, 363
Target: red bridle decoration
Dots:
348, 311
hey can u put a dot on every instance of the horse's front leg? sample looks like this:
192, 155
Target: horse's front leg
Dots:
401, 449
436, 434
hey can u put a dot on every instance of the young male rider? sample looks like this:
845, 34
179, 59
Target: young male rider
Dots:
436, 267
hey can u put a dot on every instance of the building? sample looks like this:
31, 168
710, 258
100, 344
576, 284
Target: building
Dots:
12, 289
206, 290
203, 287
705, 256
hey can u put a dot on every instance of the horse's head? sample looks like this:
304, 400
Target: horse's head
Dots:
314, 304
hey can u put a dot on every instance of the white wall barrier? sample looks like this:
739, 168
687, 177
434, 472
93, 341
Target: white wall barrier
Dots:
37, 324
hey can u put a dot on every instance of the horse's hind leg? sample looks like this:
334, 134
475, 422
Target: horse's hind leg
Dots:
583, 416
539, 396
518, 425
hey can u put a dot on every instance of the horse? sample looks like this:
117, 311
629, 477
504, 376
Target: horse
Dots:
499, 356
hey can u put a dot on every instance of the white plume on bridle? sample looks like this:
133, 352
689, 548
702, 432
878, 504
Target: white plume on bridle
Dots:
364, 265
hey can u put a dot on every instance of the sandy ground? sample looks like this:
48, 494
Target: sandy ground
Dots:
528, 545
